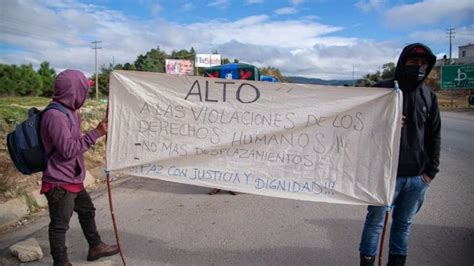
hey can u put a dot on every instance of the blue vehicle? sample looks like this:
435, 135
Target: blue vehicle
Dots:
233, 71
268, 78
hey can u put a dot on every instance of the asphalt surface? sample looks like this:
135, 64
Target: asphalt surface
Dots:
164, 223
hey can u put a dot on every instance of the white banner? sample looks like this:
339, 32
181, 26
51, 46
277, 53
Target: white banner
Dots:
208, 60
306, 142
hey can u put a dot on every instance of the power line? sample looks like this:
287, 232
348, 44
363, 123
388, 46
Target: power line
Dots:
450, 33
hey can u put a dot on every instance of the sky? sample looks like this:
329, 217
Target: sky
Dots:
311, 38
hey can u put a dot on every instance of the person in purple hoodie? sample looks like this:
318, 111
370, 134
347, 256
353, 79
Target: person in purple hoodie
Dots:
62, 181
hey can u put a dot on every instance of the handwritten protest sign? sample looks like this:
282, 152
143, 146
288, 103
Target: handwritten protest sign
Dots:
306, 142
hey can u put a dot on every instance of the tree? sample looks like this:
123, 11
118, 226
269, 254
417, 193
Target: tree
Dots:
8, 85
47, 76
21, 80
369, 80
152, 61
103, 79
118, 67
388, 70
128, 66
30, 82
225, 61
273, 71
183, 54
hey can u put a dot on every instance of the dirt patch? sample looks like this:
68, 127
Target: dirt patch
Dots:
453, 100
12, 182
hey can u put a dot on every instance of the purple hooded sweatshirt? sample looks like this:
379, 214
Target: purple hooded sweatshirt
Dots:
66, 164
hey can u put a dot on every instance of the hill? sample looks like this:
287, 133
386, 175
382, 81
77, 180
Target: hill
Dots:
334, 82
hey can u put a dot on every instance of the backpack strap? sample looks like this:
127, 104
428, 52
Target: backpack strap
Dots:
62, 109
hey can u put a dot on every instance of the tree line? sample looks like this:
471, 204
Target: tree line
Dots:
155, 61
370, 79
25, 81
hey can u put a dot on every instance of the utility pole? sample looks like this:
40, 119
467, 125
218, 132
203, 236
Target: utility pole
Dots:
96, 74
353, 81
450, 33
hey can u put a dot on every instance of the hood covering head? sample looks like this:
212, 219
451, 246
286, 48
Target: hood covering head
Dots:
411, 77
71, 88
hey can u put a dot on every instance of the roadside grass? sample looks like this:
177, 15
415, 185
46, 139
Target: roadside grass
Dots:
14, 109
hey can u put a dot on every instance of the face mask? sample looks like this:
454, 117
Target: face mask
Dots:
412, 76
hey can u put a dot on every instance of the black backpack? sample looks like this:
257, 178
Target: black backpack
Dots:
25, 145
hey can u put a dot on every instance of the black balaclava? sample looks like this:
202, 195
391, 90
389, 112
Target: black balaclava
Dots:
410, 78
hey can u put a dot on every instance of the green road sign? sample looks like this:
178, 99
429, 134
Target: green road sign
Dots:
457, 77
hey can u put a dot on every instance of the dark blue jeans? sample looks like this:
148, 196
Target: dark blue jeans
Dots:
61, 205
409, 195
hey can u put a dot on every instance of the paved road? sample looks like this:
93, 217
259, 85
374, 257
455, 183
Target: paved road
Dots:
164, 223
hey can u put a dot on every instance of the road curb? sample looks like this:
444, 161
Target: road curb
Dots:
12, 211
15, 210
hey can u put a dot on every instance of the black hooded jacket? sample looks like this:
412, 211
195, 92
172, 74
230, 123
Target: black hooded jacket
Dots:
420, 142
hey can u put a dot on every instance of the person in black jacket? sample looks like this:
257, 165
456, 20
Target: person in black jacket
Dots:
418, 160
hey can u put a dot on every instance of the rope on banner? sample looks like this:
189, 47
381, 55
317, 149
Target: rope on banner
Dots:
396, 88
109, 192
387, 214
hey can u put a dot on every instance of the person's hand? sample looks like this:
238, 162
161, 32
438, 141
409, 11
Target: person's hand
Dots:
426, 178
403, 120
102, 127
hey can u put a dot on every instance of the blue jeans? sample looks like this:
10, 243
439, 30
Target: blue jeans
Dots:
409, 195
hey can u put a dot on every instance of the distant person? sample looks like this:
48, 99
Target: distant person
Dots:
418, 160
62, 181
177, 68
217, 190
170, 68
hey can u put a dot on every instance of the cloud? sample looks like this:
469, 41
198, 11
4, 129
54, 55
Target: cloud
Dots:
290, 10
37, 31
219, 3
155, 9
37, 22
286, 11
462, 36
63, 37
260, 30
322, 61
253, 2
188, 6
370, 5
429, 12
296, 2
